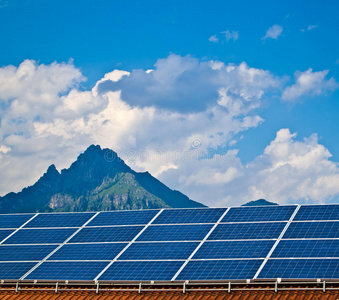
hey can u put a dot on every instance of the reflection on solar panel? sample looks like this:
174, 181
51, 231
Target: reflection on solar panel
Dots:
234, 249
88, 251
106, 234
151, 251
202, 215
290, 242
142, 270
318, 212
24, 253
307, 248
40, 236
220, 269
67, 270
175, 233
59, 220
257, 214
308, 230
252, 231
123, 218
14, 221
301, 268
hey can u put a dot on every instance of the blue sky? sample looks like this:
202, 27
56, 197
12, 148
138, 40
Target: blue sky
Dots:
291, 46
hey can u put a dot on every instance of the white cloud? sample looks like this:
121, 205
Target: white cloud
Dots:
213, 39
310, 27
273, 32
309, 83
231, 35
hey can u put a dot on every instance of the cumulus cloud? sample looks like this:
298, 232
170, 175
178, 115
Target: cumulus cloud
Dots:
213, 39
231, 35
154, 123
273, 32
309, 83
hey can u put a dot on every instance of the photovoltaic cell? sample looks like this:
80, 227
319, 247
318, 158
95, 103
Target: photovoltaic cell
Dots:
141, 270
25, 253
307, 248
88, 251
175, 233
234, 249
14, 221
67, 270
14, 271
5, 233
201, 215
300, 269
106, 234
40, 236
59, 220
247, 231
123, 218
220, 270
317, 212
260, 213
153, 251
312, 230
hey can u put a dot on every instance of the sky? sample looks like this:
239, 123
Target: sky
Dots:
226, 101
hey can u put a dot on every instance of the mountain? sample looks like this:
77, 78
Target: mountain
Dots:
259, 202
97, 180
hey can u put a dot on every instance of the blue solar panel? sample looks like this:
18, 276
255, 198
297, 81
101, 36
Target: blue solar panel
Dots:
164, 250
307, 248
88, 251
247, 231
40, 236
123, 218
318, 212
25, 253
59, 220
12, 271
67, 270
234, 249
201, 215
220, 270
14, 221
257, 214
5, 233
175, 233
300, 269
142, 270
106, 234
312, 230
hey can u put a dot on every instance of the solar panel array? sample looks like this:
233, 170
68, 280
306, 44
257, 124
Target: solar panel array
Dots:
268, 242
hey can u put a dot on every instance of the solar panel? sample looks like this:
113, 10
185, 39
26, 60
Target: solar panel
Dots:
304, 230
123, 218
141, 270
25, 253
40, 236
220, 270
4, 234
301, 269
260, 213
201, 215
88, 251
154, 251
175, 233
14, 270
67, 270
59, 220
234, 249
251, 231
106, 234
14, 221
317, 212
